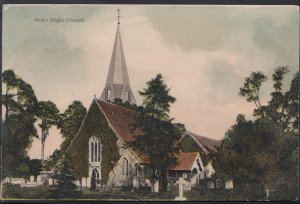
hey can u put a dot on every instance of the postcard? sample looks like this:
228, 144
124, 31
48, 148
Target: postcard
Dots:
150, 102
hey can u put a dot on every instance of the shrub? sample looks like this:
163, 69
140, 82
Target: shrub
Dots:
16, 191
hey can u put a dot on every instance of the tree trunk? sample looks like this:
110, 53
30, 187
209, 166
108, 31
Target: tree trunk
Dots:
164, 180
43, 149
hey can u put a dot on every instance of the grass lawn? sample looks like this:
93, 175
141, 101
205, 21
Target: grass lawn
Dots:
198, 193
142, 194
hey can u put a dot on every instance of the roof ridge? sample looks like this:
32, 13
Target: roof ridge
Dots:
99, 100
204, 136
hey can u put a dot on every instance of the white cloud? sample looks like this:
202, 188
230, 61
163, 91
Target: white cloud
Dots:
204, 82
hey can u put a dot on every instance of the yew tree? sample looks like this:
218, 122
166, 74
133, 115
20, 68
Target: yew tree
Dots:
160, 134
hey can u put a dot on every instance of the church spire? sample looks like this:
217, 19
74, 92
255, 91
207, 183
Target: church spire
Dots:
117, 83
119, 16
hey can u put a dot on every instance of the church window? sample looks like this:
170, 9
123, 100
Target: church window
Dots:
95, 151
99, 151
92, 151
125, 167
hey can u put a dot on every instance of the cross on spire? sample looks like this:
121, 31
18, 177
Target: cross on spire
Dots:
119, 15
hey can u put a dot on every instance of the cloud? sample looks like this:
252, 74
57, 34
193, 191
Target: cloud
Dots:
203, 53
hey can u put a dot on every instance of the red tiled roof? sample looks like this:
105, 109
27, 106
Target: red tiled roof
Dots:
185, 161
122, 120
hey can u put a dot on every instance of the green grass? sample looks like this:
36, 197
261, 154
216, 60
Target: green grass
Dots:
198, 193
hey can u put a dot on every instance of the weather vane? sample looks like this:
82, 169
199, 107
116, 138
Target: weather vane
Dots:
119, 15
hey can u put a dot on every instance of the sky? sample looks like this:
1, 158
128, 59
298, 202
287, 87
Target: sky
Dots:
203, 52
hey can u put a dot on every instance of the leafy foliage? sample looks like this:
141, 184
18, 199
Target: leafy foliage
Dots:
50, 162
64, 185
48, 113
70, 122
18, 128
35, 166
126, 104
94, 124
160, 134
264, 151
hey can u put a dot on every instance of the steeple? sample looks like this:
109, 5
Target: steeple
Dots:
117, 83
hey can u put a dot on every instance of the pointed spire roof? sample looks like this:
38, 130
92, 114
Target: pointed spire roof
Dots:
117, 84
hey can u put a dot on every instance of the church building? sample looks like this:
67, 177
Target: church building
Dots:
99, 153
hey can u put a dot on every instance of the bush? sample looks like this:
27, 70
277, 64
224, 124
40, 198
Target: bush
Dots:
55, 193
16, 191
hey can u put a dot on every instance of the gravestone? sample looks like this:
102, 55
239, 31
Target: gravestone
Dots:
84, 182
77, 183
88, 182
210, 185
135, 183
50, 181
39, 179
156, 187
31, 178
180, 188
229, 184
219, 183
187, 186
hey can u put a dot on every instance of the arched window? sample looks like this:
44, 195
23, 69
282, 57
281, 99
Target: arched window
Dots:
125, 167
95, 149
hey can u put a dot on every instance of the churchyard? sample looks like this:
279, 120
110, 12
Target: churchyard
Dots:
203, 192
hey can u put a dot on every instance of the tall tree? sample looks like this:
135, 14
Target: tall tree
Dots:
18, 128
160, 134
18, 96
48, 113
70, 122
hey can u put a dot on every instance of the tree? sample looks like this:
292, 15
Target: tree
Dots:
241, 155
264, 151
251, 90
18, 128
64, 186
159, 137
18, 96
35, 166
48, 113
70, 122
50, 162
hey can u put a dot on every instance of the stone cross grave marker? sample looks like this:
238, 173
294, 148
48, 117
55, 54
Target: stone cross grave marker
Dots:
180, 183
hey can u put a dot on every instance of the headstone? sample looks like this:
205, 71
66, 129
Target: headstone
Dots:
210, 185
7, 180
77, 183
156, 187
50, 180
31, 178
135, 183
88, 181
39, 179
229, 184
187, 186
219, 183
84, 182
180, 183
